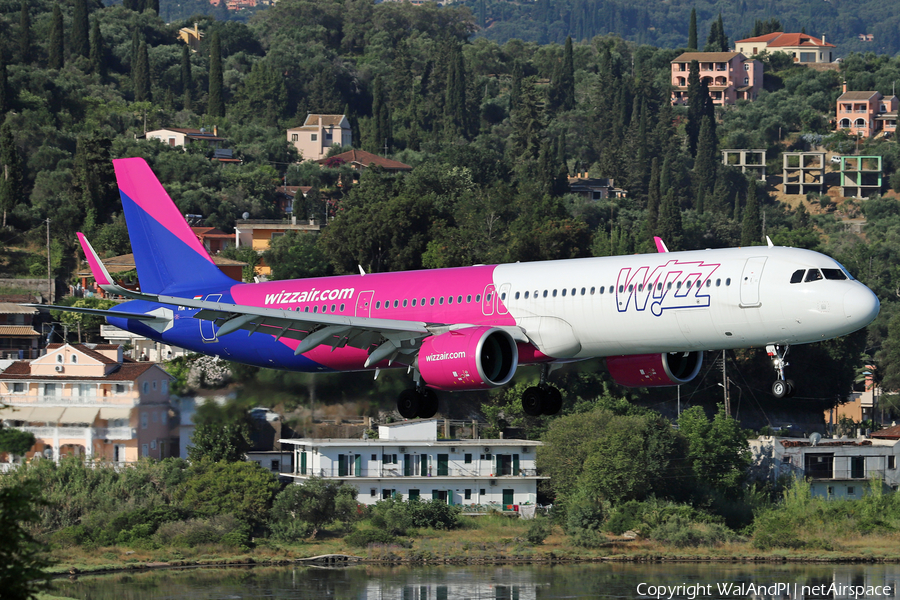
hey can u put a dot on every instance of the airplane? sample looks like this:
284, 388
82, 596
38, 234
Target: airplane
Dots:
651, 316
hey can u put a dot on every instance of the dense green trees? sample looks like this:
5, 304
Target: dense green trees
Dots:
220, 434
22, 561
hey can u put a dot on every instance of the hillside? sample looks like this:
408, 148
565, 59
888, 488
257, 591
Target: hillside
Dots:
665, 23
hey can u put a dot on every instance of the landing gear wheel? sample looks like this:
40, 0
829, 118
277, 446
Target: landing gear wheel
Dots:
409, 403
428, 404
533, 401
791, 388
552, 401
780, 388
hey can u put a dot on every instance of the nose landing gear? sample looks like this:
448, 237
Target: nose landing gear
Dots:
782, 388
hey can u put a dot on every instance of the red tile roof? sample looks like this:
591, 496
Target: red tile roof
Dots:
781, 40
127, 371
88, 352
888, 433
365, 159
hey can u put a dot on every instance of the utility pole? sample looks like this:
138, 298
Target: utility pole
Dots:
49, 276
725, 387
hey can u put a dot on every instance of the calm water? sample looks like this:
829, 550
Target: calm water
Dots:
702, 581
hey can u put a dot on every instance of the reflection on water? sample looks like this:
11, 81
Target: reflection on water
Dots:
606, 580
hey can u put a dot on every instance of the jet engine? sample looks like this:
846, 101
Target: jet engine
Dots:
654, 370
473, 358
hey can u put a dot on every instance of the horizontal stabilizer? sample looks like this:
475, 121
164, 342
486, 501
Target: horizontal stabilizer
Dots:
100, 312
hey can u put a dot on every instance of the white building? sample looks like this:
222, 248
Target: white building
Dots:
835, 468
409, 459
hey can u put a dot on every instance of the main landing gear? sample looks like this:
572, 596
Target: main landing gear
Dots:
419, 402
782, 388
542, 399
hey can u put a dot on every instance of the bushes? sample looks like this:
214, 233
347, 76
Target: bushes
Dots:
397, 517
315, 502
538, 530
224, 529
585, 520
680, 532
361, 538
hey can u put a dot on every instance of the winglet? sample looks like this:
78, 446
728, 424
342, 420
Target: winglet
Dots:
660, 245
769, 242
101, 275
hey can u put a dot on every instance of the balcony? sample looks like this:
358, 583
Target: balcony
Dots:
97, 433
391, 472
26, 400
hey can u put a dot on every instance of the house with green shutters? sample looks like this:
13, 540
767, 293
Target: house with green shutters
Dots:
408, 458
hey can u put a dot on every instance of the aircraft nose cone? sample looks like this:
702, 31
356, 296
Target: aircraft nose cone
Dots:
861, 305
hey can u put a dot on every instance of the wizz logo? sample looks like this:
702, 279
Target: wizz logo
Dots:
672, 285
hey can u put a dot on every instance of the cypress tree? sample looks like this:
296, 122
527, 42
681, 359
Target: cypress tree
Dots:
141, 74
669, 226
25, 34
57, 49
98, 50
722, 40
751, 228
705, 164
135, 47
11, 189
80, 27
455, 113
216, 103
692, 31
5, 92
561, 95
696, 103
152, 5
187, 79
653, 197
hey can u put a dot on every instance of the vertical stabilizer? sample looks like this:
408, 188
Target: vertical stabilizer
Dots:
168, 255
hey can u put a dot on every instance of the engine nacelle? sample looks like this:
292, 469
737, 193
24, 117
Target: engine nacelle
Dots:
654, 370
474, 358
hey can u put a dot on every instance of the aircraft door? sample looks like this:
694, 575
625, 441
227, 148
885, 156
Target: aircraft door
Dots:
208, 328
364, 303
501, 303
487, 300
750, 279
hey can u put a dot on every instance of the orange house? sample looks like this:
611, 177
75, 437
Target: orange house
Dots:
88, 400
866, 114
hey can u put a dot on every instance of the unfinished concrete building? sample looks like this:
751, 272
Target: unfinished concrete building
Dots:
803, 172
861, 176
753, 161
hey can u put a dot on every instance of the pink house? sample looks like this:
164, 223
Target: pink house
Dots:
88, 400
731, 76
866, 114
801, 47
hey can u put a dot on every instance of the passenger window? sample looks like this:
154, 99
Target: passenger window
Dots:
449, 299
631, 288
377, 305
718, 282
592, 291
503, 296
488, 297
423, 302
468, 298
659, 285
441, 300
324, 308
315, 309
669, 286
517, 295
564, 292
332, 308
621, 288
813, 275
305, 309
396, 303
582, 291
708, 282
573, 291
342, 308
640, 287
526, 295
545, 293
414, 302
431, 302
404, 302
834, 274
678, 285
602, 289
459, 299
554, 293
477, 297
797, 277
728, 281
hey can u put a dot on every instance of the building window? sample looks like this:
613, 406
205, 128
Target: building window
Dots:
119, 388
468, 494
851, 490
18, 388
314, 137
276, 465
74, 359
162, 417
155, 416
295, 137
481, 491
164, 386
468, 459
143, 420
59, 358
154, 385
746, 80
830, 490
153, 444
145, 450
146, 387
373, 492
892, 462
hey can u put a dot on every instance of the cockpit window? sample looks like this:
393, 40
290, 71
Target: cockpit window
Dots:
813, 275
846, 272
797, 277
834, 274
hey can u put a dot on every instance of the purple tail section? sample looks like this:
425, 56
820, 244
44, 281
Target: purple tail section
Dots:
168, 256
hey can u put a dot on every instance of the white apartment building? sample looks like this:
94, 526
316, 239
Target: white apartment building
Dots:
409, 459
835, 468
